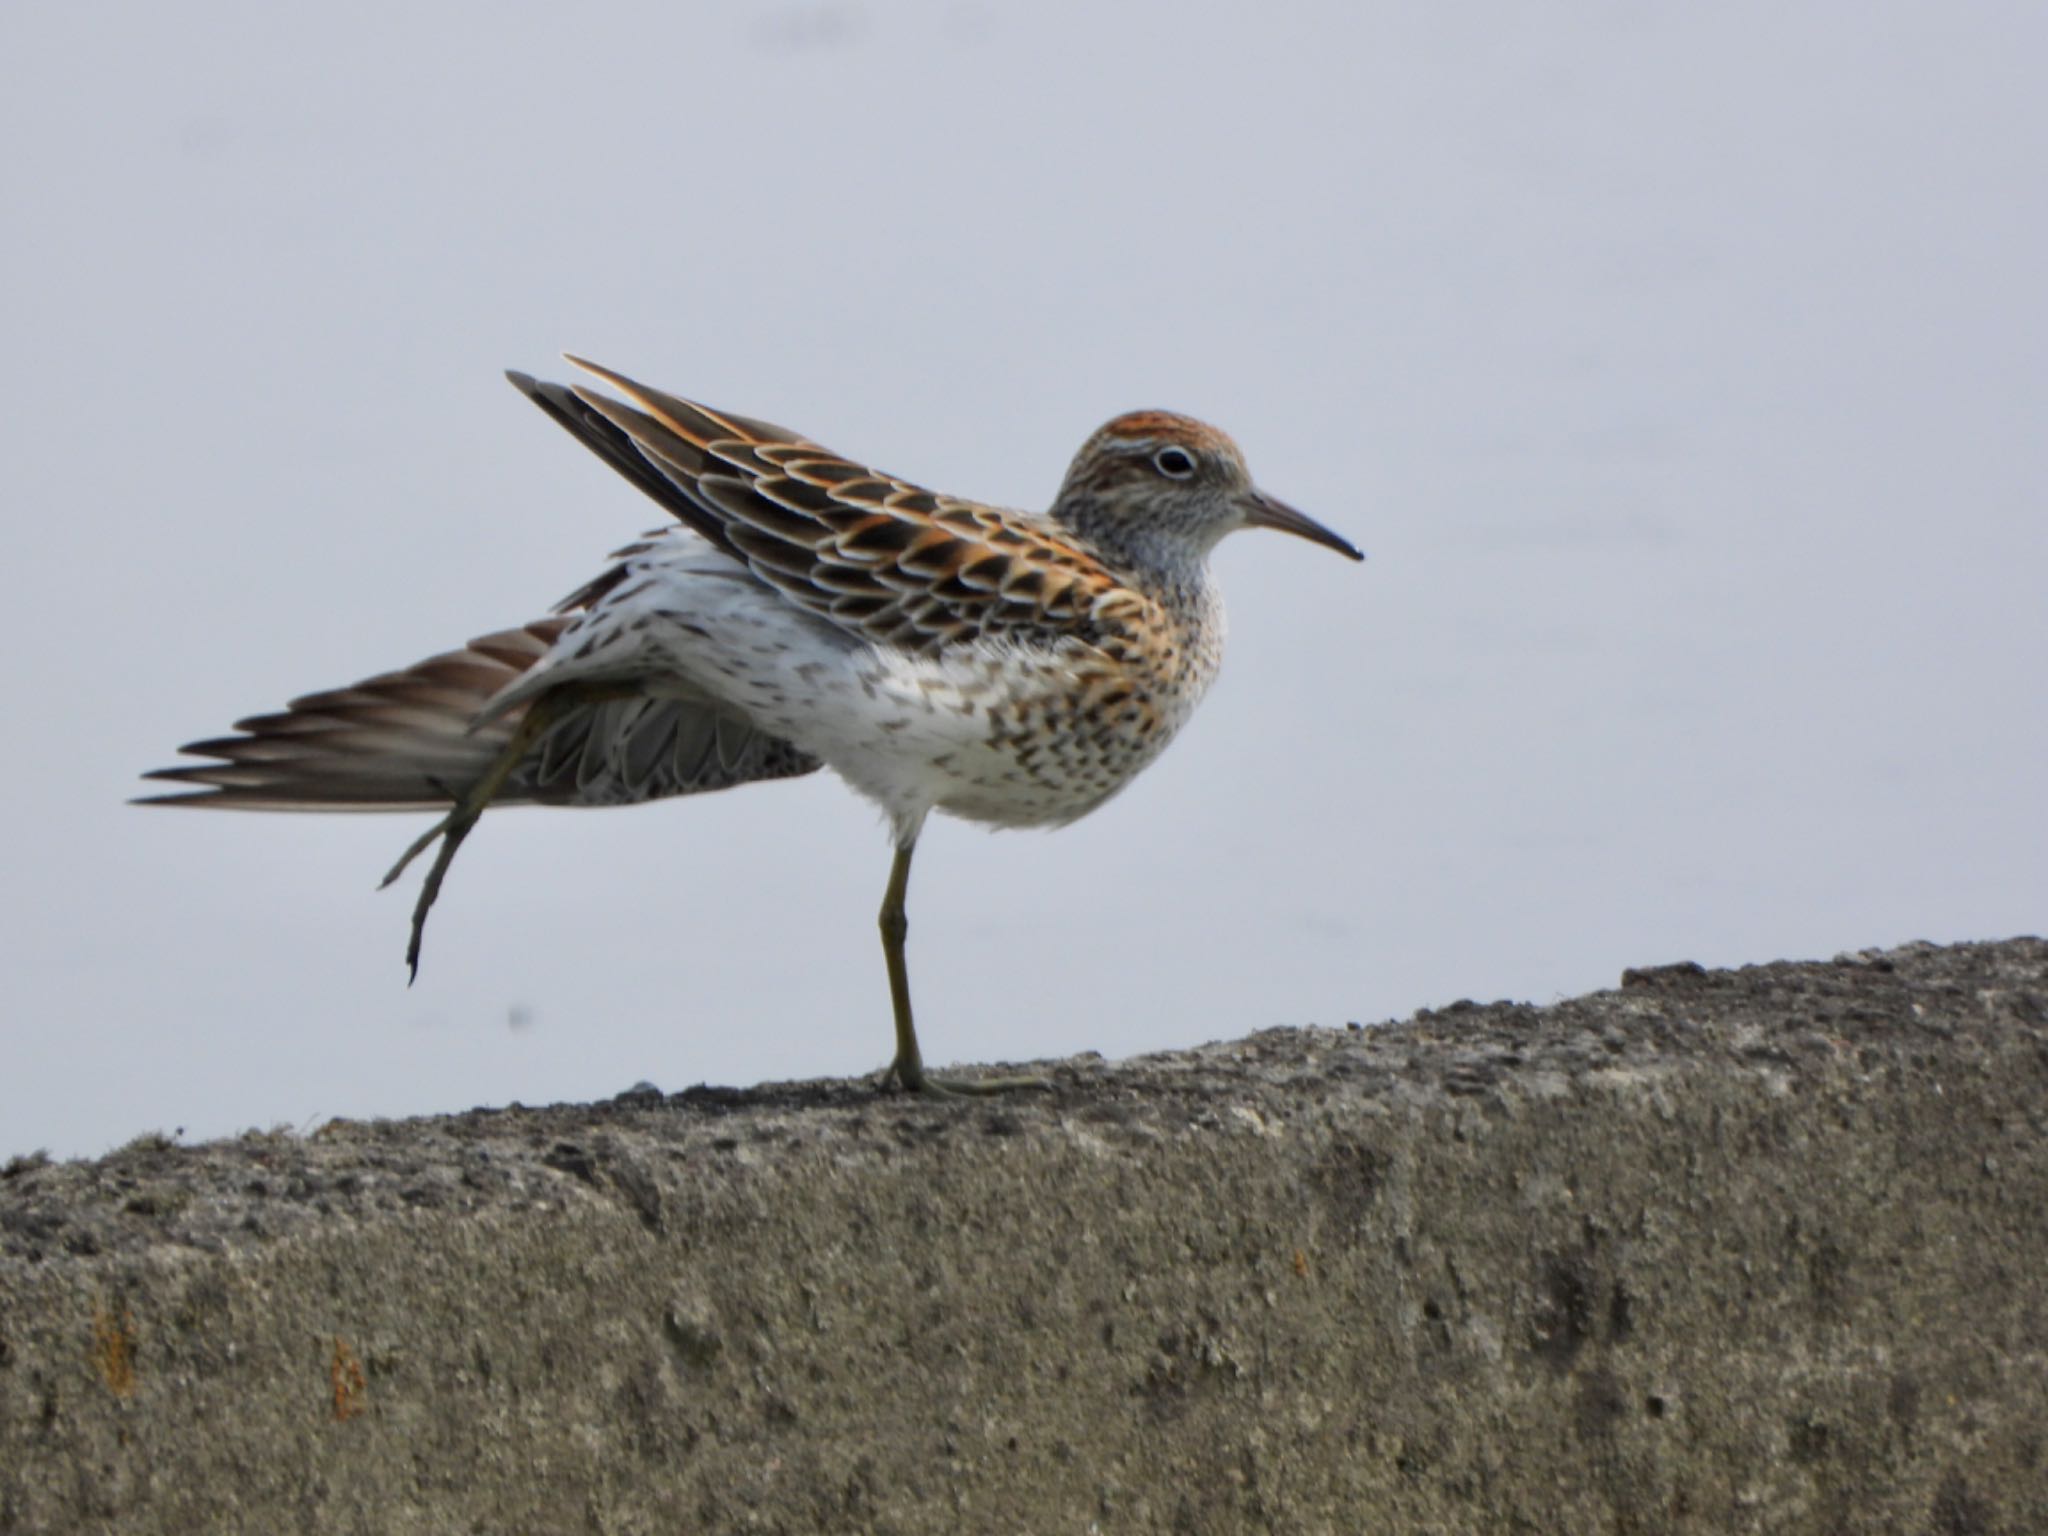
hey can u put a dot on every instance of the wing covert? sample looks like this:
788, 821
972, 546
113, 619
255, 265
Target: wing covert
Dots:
878, 555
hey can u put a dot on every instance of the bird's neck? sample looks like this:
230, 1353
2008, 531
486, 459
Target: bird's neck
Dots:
1157, 555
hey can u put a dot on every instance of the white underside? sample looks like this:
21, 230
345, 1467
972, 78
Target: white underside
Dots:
911, 733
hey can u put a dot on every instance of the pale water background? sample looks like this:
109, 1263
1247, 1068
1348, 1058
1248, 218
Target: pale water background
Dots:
1684, 370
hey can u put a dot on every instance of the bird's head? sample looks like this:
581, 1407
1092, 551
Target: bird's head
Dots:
1167, 487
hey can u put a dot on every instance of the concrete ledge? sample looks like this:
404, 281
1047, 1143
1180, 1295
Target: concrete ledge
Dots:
1720, 1252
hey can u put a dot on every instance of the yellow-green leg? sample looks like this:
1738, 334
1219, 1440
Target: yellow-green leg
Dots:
908, 1067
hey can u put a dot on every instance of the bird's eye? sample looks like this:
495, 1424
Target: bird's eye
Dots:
1174, 463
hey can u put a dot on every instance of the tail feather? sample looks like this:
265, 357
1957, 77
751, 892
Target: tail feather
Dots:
399, 741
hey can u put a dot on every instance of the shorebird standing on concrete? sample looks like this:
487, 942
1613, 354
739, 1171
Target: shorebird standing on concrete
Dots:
938, 654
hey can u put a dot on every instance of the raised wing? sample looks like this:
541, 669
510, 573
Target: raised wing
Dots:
883, 558
409, 740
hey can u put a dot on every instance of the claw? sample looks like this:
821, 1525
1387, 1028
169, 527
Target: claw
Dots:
457, 824
916, 1080
454, 827
419, 847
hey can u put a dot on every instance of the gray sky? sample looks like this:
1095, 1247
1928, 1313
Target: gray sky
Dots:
1682, 369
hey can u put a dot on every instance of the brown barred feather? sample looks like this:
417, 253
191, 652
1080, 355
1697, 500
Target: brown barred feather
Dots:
840, 539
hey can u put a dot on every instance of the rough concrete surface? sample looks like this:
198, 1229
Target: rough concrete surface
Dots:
1760, 1250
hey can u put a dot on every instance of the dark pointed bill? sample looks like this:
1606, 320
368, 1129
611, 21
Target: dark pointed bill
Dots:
1270, 512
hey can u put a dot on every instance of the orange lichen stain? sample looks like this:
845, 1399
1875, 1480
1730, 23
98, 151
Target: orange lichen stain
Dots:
113, 1348
351, 1386
1300, 1264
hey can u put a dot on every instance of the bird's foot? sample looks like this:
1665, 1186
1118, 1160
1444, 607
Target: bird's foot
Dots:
455, 826
451, 830
911, 1077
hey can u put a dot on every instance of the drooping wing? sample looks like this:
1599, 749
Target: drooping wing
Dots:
409, 740
626, 751
879, 556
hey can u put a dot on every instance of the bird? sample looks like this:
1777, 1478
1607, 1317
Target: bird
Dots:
802, 610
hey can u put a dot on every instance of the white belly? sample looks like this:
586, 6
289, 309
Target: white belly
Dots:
991, 731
